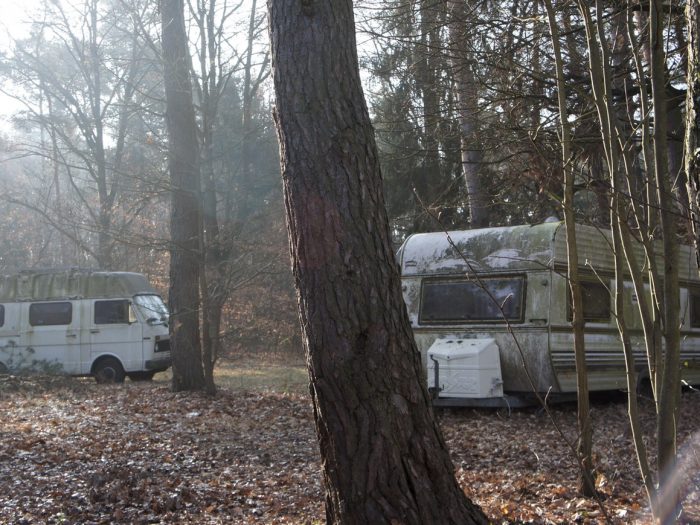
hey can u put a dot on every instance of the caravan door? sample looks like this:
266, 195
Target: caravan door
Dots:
114, 330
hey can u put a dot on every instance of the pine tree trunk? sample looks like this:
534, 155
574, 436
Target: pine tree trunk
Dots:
384, 460
426, 64
183, 164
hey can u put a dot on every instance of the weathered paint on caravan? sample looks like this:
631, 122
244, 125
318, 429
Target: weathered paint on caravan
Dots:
527, 266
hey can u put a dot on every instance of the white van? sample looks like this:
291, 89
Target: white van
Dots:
83, 322
459, 286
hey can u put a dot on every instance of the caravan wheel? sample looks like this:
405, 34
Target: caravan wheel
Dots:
108, 370
644, 389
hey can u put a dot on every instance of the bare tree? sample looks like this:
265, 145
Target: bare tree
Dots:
79, 89
692, 125
216, 66
585, 440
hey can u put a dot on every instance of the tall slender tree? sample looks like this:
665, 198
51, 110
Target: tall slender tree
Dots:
185, 214
585, 428
467, 102
692, 125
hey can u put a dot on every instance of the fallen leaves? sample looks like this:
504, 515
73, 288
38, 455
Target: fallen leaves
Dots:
72, 452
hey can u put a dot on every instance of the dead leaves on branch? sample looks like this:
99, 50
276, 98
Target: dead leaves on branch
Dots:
74, 452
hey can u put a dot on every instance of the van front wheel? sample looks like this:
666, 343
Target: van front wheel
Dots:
108, 370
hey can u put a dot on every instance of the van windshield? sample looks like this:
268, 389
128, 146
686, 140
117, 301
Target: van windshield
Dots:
152, 308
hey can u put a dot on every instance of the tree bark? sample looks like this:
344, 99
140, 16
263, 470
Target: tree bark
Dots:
384, 460
183, 164
467, 112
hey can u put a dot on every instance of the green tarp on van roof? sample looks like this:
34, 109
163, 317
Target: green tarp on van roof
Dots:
44, 285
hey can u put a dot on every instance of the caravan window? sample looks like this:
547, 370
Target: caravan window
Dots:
470, 301
48, 314
2, 315
596, 302
695, 310
112, 312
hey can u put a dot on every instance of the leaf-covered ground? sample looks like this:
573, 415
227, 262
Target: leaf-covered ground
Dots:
75, 452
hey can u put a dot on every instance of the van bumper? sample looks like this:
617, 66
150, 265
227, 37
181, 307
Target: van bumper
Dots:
158, 364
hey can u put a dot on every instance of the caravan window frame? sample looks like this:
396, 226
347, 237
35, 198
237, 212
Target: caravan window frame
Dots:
518, 303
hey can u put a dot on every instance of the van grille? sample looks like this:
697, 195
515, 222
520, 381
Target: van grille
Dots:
162, 346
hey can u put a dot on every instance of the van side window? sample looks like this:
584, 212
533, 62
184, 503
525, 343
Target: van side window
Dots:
470, 301
2, 315
596, 302
695, 310
112, 312
47, 314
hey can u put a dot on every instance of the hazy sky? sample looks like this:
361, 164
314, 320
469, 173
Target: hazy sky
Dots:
14, 12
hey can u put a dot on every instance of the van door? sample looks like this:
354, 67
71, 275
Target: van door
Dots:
9, 335
51, 336
115, 331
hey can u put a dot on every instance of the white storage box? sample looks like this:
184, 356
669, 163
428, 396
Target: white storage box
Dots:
466, 368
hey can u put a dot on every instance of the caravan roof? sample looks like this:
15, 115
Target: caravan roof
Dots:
508, 249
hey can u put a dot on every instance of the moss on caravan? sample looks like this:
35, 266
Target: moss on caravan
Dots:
83, 322
450, 282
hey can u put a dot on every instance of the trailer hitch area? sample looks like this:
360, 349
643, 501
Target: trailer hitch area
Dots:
435, 390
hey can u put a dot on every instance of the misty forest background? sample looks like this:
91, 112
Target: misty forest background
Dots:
462, 95
486, 113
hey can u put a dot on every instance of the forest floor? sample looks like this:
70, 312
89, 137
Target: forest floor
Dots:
72, 451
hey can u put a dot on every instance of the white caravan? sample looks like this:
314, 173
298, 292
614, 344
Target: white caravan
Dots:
453, 285
82, 322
